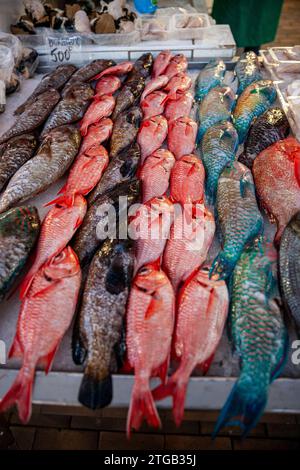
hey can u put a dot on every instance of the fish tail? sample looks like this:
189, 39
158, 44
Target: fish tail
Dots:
222, 266
175, 387
25, 285
142, 406
94, 392
244, 405
20, 394
278, 235
64, 200
83, 129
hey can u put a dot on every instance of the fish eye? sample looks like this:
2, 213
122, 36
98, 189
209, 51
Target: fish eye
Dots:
144, 270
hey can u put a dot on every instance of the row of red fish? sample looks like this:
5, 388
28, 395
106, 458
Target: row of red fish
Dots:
174, 309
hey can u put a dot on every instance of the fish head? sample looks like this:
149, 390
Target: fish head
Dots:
161, 205
24, 219
263, 89
149, 279
65, 264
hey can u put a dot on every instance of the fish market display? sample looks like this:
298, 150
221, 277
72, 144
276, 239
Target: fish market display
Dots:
101, 107
150, 322
182, 134
125, 130
274, 172
253, 101
85, 73
209, 77
71, 108
152, 134
19, 229
107, 85
267, 129
239, 218
154, 84
53, 80
155, 174
13, 154
128, 95
215, 107
201, 316
119, 69
218, 147
153, 104
142, 67
178, 84
191, 236
34, 115
187, 180
161, 63
180, 107
52, 160
101, 319
96, 134
178, 64
121, 169
48, 308
259, 338
289, 267
247, 70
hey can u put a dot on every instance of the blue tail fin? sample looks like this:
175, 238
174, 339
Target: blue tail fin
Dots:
222, 267
243, 407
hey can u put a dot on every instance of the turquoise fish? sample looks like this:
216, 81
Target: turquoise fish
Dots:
210, 76
247, 70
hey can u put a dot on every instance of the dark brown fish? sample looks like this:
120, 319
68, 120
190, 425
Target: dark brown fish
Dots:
120, 169
55, 79
99, 223
34, 115
71, 108
52, 160
87, 72
129, 94
142, 66
101, 319
125, 130
14, 154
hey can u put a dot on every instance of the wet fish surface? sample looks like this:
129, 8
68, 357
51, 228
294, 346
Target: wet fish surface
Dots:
209, 77
128, 95
247, 70
87, 72
125, 130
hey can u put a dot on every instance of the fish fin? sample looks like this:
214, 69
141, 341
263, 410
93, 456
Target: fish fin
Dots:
26, 284
282, 360
47, 361
60, 200
78, 223
162, 370
141, 406
297, 167
95, 393
151, 310
49, 288
20, 394
170, 97
63, 189
278, 235
205, 365
243, 407
15, 349
221, 267
177, 389
84, 129
126, 367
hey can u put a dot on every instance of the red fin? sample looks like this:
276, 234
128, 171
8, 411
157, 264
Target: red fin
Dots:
126, 367
15, 349
162, 370
25, 285
63, 189
141, 406
20, 393
84, 129
151, 310
47, 361
78, 223
204, 366
178, 392
49, 288
297, 167
64, 200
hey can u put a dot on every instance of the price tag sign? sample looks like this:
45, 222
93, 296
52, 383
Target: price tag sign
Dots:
62, 48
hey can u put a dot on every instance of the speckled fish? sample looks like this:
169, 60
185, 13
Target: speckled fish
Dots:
101, 319
108, 85
247, 70
57, 229
119, 69
209, 77
153, 104
218, 148
152, 134
191, 236
51, 161
142, 67
187, 180
54, 80
121, 169
128, 95
86, 72
125, 130
13, 154
215, 107
276, 183
253, 101
182, 136
45, 316
34, 115
267, 129
201, 316
239, 219
161, 63
178, 64
155, 174
97, 134
101, 107
180, 107
259, 338
89, 237
154, 84
71, 108
289, 265
19, 229
150, 323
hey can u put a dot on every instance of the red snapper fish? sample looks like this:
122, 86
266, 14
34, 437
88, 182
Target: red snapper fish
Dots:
154, 84
57, 229
275, 176
191, 236
152, 134
178, 84
187, 180
150, 323
182, 106
155, 174
201, 316
108, 85
119, 69
97, 133
46, 314
101, 107
178, 64
182, 136
161, 63
153, 104
150, 228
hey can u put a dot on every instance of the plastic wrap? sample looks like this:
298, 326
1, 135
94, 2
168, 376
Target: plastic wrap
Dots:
7, 64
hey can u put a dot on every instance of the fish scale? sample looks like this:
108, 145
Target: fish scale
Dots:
209, 77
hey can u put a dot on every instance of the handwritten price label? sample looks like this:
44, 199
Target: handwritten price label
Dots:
62, 48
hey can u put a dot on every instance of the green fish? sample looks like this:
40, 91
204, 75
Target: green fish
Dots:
259, 338
247, 70
209, 77
19, 229
238, 217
